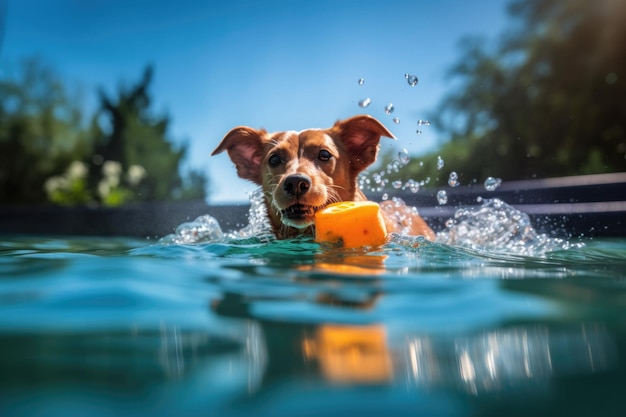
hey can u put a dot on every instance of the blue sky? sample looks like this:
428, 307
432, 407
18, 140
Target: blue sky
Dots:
279, 65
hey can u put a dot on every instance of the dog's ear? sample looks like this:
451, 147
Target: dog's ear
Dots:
360, 136
245, 148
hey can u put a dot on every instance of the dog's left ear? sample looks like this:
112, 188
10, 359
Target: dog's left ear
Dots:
360, 136
245, 148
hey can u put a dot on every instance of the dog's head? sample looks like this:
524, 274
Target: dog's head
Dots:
302, 172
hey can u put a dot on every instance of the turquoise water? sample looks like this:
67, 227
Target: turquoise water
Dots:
234, 326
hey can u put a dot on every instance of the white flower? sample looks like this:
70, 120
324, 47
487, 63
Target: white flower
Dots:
53, 184
76, 170
135, 174
104, 188
112, 169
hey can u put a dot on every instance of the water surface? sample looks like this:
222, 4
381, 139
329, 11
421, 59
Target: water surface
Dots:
250, 327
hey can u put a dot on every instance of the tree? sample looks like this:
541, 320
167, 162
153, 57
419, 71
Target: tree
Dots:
135, 137
41, 131
548, 101
48, 154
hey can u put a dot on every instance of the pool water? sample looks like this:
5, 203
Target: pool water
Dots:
235, 325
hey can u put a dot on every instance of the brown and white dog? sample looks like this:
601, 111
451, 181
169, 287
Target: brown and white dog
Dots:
302, 172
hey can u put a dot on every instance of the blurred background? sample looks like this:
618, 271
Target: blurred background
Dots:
106, 103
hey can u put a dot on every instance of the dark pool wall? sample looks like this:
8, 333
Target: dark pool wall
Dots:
589, 205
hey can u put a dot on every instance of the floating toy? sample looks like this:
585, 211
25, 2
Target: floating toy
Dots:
351, 223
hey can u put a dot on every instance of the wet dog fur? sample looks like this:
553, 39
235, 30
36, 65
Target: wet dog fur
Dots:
302, 172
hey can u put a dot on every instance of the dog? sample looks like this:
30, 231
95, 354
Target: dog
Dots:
303, 172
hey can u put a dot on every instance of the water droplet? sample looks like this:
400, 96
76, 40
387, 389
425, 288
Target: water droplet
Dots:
396, 120
389, 108
403, 156
411, 79
439, 163
419, 132
423, 122
442, 197
385, 197
361, 81
397, 184
365, 102
453, 179
492, 183
413, 186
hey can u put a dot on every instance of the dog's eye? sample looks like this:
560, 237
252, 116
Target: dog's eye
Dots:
324, 155
274, 160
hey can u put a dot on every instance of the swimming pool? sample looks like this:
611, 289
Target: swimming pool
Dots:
244, 325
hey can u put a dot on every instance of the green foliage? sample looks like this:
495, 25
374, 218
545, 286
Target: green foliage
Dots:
548, 101
134, 136
40, 131
47, 154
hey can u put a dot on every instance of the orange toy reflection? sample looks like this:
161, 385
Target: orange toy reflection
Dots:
349, 354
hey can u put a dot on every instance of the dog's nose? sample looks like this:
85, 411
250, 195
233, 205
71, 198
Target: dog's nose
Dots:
297, 184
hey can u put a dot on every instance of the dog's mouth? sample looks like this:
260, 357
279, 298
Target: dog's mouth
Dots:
300, 214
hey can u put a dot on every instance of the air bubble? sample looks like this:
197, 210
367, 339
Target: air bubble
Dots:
385, 197
453, 179
361, 81
397, 184
439, 163
442, 197
365, 102
423, 122
492, 183
396, 120
389, 108
411, 79
419, 132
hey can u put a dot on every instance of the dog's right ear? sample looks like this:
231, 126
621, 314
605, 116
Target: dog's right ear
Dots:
245, 148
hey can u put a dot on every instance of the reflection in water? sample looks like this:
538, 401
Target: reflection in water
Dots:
502, 359
350, 354
491, 361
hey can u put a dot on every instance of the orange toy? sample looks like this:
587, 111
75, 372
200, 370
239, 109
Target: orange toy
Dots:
354, 223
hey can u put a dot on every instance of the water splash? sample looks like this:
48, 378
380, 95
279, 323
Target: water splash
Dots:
492, 183
206, 229
453, 179
497, 226
413, 186
403, 156
203, 229
412, 80
442, 197
365, 102
258, 221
